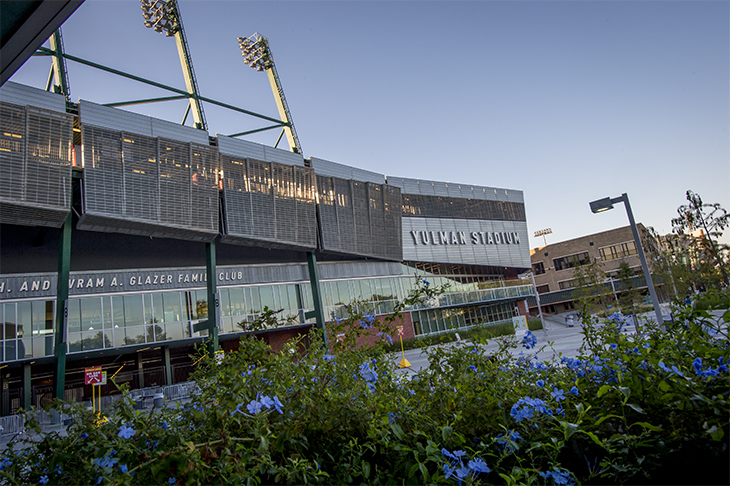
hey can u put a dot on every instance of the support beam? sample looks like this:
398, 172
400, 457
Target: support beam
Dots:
140, 370
27, 390
168, 365
316, 295
213, 304
64, 266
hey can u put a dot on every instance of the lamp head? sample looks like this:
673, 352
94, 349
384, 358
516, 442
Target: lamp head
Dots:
601, 205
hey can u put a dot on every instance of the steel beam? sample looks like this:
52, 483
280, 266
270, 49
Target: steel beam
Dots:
213, 309
317, 295
64, 267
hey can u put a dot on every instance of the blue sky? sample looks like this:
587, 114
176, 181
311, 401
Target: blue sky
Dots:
567, 101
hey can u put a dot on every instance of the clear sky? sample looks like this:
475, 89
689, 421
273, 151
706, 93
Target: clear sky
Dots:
567, 101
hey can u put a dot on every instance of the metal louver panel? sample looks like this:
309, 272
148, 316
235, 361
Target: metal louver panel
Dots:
268, 204
141, 185
35, 163
360, 218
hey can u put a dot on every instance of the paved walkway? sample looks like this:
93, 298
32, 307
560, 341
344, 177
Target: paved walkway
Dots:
556, 340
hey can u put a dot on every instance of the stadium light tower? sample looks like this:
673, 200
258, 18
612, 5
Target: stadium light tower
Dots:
256, 53
163, 16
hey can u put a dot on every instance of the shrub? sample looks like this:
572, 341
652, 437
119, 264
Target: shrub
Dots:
630, 409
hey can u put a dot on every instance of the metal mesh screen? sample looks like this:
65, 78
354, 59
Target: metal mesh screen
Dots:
360, 218
35, 163
149, 186
268, 204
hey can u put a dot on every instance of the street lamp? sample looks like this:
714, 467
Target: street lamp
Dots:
604, 205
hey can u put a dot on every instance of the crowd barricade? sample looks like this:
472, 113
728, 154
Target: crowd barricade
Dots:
11, 425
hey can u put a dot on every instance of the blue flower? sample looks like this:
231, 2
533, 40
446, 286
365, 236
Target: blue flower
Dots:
574, 390
559, 477
83, 436
558, 394
614, 345
672, 370
237, 410
99, 479
328, 357
123, 467
529, 341
43, 480
478, 465
126, 432
171, 481
254, 407
277, 405
367, 373
266, 401
540, 383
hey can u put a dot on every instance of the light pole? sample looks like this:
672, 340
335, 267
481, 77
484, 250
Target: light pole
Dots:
604, 205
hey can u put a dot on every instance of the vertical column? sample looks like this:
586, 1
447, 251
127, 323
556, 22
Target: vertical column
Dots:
64, 266
27, 390
213, 309
5, 410
168, 365
140, 370
316, 295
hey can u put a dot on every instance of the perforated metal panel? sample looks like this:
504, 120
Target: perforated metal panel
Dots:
360, 218
149, 186
35, 163
268, 204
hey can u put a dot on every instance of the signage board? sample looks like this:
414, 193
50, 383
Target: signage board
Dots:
93, 376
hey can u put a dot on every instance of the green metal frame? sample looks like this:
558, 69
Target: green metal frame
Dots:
44, 51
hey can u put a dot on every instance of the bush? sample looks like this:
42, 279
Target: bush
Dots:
648, 409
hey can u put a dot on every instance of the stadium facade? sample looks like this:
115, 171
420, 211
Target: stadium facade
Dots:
134, 216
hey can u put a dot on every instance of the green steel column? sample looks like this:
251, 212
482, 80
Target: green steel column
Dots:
316, 295
64, 266
168, 365
213, 310
27, 395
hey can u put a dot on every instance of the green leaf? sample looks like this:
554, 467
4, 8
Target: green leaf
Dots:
593, 437
635, 407
647, 426
664, 386
397, 431
446, 432
365, 469
626, 391
603, 390
717, 434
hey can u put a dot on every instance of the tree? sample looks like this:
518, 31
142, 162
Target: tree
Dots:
629, 293
589, 290
712, 219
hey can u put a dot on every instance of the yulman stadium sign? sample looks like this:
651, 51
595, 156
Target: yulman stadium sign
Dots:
460, 237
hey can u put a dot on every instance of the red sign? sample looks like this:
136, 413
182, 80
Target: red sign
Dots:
92, 376
400, 330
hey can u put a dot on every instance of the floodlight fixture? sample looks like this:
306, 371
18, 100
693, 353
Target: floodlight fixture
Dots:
607, 203
161, 15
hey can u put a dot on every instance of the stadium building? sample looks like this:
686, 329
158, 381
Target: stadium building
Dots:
154, 237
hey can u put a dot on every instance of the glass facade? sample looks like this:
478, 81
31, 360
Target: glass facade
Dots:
114, 321
617, 251
424, 206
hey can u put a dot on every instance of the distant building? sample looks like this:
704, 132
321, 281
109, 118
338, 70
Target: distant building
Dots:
553, 265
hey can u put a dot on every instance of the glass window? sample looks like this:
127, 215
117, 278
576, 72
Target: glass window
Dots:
158, 310
10, 322
24, 319
343, 292
267, 297
225, 302
133, 310
571, 261
256, 306
10, 349
237, 304
291, 291
538, 268
74, 315
118, 313
106, 306
90, 313
200, 308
